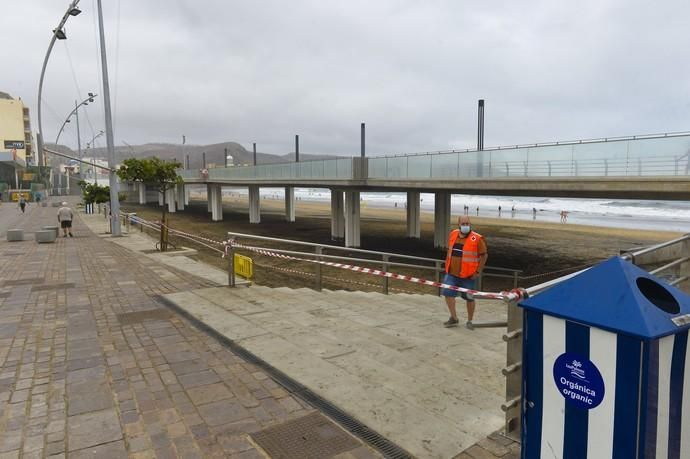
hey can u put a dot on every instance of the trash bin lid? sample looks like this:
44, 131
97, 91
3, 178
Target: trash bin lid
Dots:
617, 296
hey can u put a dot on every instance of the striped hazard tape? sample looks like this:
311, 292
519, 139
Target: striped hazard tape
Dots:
512, 295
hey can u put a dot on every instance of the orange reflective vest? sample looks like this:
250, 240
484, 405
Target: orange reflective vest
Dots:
470, 253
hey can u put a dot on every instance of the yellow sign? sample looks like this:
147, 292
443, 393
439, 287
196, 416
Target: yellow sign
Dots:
27, 176
15, 195
244, 266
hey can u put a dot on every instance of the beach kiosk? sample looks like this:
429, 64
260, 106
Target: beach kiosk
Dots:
606, 367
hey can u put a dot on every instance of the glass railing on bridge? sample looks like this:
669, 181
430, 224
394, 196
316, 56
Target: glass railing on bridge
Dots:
667, 155
645, 156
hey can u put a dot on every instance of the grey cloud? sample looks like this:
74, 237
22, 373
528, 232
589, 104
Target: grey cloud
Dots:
264, 71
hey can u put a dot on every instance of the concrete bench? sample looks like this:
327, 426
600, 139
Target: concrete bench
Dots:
52, 228
45, 236
14, 235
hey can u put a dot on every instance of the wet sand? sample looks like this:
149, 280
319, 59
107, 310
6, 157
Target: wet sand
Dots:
541, 250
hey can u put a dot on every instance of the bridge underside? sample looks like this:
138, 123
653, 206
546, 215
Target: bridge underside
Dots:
671, 188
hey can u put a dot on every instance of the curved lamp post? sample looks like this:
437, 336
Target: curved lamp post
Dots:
74, 110
58, 34
93, 160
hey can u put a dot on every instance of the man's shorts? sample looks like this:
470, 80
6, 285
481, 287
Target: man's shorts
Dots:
66, 224
458, 282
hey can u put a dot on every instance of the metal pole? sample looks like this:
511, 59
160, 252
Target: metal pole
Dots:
480, 138
225, 152
39, 137
296, 148
203, 160
114, 186
254, 146
362, 141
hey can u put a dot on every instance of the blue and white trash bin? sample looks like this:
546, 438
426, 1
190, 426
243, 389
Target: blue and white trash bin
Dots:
604, 367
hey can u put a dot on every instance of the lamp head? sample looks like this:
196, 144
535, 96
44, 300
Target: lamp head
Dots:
74, 11
60, 34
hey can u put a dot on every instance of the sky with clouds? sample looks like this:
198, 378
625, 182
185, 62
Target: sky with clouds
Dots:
265, 70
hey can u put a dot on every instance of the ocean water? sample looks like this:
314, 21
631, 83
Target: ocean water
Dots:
614, 213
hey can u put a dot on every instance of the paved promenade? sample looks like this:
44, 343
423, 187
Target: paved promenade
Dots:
92, 365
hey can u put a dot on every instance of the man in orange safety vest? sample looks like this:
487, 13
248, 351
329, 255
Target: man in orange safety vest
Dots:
465, 260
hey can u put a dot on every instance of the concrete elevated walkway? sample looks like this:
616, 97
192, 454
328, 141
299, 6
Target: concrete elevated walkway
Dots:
386, 360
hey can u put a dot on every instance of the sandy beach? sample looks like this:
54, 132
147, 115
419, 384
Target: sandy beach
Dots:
541, 250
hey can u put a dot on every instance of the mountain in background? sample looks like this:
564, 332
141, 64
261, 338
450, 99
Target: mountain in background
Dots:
214, 153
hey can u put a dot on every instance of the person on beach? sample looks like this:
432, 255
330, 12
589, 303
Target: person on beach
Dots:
465, 260
22, 204
477, 211
499, 211
65, 217
534, 213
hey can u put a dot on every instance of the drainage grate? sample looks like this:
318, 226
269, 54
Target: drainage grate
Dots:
27, 281
129, 318
352, 425
39, 288
311, 436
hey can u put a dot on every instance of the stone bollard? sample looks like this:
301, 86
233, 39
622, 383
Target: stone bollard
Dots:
53, 228
14, 235
45, 236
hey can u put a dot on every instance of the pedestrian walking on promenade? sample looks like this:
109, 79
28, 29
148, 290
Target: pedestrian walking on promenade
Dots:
65, 217
22, 203
465, 260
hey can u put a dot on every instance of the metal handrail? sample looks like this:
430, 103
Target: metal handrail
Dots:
330, 247
542, 144
631, 255
677, 262
338, 257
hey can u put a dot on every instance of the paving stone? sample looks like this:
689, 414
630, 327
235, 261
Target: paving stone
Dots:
112, 450
223, 412
209, 393
90, 429
201, 378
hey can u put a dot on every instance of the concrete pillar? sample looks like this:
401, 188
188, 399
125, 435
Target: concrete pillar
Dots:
254, 204
208, 197
179, 196
290, 204
160, 198
186, 195
337, 215
352, 220
142, 193
170, 200
217, 203
441, 219
414, 227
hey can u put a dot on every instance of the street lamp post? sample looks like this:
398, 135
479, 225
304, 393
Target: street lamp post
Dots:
75, 111
93, 160
58, 34
114, 186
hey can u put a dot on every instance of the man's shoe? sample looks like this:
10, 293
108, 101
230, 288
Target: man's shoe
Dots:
70, 235
451, 323
469, 325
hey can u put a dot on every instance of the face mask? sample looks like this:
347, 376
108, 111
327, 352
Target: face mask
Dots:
465, 229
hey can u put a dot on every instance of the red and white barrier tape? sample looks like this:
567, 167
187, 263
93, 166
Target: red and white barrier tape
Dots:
515, 294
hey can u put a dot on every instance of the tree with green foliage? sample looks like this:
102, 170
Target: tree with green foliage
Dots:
94, 193
158, 175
